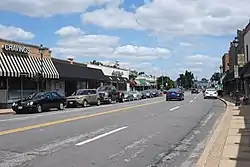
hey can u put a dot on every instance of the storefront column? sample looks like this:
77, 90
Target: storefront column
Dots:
7, 91
87, 84
21, 87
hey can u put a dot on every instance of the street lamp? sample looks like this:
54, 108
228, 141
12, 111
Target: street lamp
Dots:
41, 51
235, 45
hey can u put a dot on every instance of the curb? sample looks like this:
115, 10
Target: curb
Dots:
7, 113
211, 142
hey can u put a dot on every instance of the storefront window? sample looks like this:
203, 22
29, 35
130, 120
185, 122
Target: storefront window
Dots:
14, 92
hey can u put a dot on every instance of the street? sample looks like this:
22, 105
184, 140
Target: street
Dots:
151, 132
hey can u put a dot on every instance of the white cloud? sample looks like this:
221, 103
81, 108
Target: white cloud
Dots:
104, 46
47, 8
177, 17
14, 33
111, 18
69, 31
186, 44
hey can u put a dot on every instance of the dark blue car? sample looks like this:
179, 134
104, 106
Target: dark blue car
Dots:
174, 94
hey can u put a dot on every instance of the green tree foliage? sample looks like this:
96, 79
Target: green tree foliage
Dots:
186, 80
166, 79
215, 77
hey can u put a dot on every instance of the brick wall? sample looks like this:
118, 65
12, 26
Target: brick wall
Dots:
33, 49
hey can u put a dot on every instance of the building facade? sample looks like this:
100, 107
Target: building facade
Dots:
247, 60
118, 77
225, 62
75, 76
20, 66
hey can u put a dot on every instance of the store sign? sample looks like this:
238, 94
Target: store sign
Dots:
15, 48
241, 60
117, 73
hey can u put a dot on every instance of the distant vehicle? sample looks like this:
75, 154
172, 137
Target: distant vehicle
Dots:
83, 97
128, 96
149, 94
155, 92
210, 93
143, 94
39, 102
109, 94
194, 90
136, 95
174, 93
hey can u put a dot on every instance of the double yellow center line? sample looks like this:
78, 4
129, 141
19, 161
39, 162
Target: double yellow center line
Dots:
10, 131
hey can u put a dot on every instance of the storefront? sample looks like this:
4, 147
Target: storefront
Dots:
247, 79
20, 66
118, 77
75, 76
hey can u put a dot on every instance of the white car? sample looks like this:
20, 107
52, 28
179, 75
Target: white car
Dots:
210, 93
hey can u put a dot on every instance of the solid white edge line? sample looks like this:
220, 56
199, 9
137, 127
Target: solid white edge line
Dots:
101, 136
174, 108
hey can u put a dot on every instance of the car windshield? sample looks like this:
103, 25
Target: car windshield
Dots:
103, 88
80, 92
174, 90
211, 90
37, 95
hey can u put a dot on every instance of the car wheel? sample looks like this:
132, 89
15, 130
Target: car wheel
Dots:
122, 99
167, 99
61, 106
39, 108
85, 103
110, 100
98, 102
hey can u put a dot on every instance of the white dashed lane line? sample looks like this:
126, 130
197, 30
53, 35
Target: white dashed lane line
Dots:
101, 136
172, 109
191, 101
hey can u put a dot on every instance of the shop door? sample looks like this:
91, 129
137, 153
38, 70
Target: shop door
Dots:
70, 87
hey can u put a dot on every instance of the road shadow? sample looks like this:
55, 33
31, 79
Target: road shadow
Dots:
243, 157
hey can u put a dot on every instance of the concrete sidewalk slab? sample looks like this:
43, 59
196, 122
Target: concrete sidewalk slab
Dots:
6, 111
236, 146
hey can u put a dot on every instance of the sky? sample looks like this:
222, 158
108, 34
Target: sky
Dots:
154, 36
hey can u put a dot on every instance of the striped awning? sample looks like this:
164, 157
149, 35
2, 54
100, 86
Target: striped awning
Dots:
13, 65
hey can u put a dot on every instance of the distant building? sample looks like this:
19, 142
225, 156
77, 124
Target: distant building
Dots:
225, 62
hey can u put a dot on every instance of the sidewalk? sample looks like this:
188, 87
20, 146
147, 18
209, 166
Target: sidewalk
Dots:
229, 145
6, 111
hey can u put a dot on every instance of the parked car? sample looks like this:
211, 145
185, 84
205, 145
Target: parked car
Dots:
174, 93
109, 94
136, 95
155, 93
143, 94
39, 102
128, 96
194, 90
149, 93
210, 93
83, 97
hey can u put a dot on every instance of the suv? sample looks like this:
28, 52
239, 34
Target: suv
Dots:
109, 93
83, 97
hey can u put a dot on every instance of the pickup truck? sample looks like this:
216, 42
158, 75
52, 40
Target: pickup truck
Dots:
109, 94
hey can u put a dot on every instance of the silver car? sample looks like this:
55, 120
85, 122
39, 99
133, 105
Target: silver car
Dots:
83, 97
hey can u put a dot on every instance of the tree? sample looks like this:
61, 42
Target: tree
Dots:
215, 77
204, 80
186, 80
133, 74
141, 73
165, 79
96, 62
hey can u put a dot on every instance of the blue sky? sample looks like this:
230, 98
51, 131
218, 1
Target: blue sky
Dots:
150, 36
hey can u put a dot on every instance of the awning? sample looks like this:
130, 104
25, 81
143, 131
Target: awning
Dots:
142, 82
13, 65
77, 71
137, 82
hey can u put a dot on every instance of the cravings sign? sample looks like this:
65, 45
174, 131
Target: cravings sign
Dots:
15, 48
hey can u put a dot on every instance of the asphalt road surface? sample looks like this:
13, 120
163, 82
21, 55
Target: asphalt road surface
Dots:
146, 133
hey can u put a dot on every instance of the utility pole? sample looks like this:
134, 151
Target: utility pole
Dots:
162, 79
